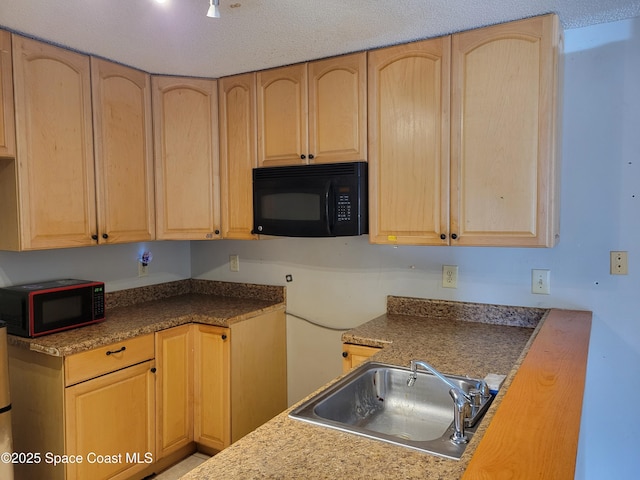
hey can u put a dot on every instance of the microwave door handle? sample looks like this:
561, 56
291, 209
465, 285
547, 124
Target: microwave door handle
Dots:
329, 207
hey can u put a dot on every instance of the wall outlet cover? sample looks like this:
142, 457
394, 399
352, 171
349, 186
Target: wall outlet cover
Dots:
450, 276
234, 263
619, 263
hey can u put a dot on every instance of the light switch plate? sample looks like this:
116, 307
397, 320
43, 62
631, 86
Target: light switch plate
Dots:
540, 281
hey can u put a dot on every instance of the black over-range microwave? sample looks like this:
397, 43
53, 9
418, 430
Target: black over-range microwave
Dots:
319, 200
46, 307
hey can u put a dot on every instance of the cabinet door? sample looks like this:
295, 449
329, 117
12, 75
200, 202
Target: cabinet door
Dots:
185, 113
112, 415
212, 393
7, 119
282, 116
54, 145
354, 355
123, 153
338, 109
503, 133
238, 153
174, 389
409, 143
9, 205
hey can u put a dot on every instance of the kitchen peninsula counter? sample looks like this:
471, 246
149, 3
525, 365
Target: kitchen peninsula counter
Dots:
160, 370
138, 311
450, 336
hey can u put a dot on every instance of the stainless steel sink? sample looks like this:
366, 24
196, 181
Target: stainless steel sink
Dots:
374, 401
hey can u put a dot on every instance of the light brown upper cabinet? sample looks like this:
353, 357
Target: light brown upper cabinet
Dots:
185, 112
338, 109
55, 169
63, 193
504, 116
123, 153
7, 118
238, 153
488, 178
409, 142
313, 112
9, 232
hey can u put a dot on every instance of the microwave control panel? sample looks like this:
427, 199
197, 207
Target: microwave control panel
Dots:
98, 302
344, 207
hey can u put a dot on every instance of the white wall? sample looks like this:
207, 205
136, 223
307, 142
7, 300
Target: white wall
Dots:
344, 282
115, 265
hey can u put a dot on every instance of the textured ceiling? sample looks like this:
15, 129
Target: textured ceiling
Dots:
178, 38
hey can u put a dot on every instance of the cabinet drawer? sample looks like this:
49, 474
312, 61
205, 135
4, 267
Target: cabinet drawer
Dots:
98, 361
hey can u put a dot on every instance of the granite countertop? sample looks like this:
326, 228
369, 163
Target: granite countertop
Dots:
453, 336
139, 311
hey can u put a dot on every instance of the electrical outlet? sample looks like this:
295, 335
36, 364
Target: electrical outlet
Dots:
450, 276
619, 265
540, 281
234, 263
143, 270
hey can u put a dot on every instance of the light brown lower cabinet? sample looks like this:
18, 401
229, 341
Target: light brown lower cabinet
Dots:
212, 396
228, 383
87, 415
174, 389
132, 408
354, 355
109, 424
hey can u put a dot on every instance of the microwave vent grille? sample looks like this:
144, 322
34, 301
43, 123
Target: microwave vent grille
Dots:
315, 170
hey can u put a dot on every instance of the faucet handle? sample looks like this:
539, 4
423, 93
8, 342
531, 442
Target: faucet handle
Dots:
484, 389
476, 397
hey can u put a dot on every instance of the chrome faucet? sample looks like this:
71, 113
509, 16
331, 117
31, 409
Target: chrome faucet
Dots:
462, 401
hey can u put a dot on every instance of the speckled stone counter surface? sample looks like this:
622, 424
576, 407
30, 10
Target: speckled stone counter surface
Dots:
143, 310
457, 338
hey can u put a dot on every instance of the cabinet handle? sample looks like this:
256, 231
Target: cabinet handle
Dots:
303, 156
153, 370
217, 232
454, 236
311, 156
345, 354
105, 236
111, 352
224, 337
94, 237
443, 236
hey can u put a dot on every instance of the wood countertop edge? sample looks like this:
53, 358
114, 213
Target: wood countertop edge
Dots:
534, 433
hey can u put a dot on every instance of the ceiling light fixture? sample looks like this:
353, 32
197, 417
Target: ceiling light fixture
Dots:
214, 10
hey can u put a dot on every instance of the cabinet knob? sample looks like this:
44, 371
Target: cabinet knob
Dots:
94, 237
105, 236
153, 370
345, 354
311, 156
303, 156
454, 236
443, 236
224, 337
217, 232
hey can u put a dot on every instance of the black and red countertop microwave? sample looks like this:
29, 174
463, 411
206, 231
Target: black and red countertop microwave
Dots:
40, 308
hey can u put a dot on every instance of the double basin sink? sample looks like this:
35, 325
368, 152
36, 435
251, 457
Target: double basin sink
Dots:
375, 400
